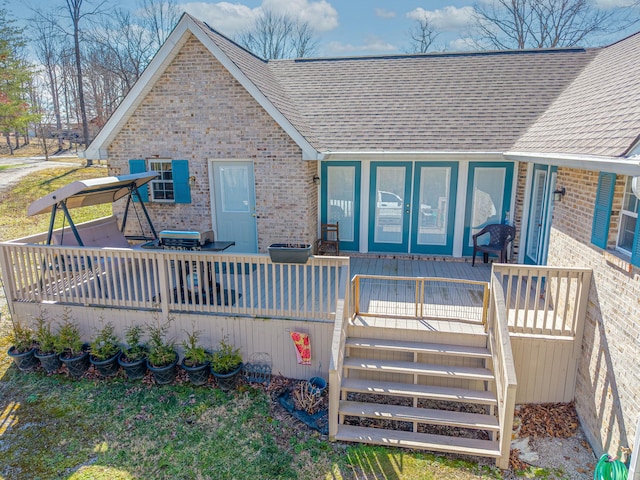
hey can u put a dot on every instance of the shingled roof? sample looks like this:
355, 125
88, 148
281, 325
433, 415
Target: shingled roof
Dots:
464, 102
599, 114
481, 101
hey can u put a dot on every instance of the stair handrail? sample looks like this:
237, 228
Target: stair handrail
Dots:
504, 368
343, 313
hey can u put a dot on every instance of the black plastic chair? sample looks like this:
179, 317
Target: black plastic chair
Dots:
499, 238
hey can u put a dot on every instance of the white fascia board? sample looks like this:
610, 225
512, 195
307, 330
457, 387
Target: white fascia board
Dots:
621, 165
97, 149
308, 152
410, 155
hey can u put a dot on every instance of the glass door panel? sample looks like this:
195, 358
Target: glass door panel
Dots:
488, 198
390, 206
434, 207
341, 200
540, 209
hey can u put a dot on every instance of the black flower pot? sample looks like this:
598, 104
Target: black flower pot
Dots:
108, 367
76, 365
227, 381
198, 375
135, 370
24, 361
49, 361
165, 374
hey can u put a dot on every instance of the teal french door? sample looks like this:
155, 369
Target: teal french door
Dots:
488, 198
434, 206
340, 200
543, 183
390, 206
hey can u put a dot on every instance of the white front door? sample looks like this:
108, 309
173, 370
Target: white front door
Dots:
234, 202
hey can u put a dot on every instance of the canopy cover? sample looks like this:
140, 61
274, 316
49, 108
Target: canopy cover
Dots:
93, 191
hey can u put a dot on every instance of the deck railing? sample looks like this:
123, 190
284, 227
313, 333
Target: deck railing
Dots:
544, 300
343, 313
421, 297
174, 280
503, 367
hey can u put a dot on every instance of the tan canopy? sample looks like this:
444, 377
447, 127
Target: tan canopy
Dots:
93, 191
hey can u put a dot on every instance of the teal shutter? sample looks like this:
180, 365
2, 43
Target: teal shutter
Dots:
602, 211
181, 189
635, 250
139, 166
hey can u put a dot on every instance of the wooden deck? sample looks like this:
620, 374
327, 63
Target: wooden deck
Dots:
399, 267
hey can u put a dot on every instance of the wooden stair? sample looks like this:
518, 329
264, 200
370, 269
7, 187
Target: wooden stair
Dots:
420, 395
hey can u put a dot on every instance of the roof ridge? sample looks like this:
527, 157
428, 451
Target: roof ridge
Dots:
401, 56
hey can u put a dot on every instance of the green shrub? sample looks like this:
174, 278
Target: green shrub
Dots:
194, 354
69, 340
136, 350
105, 344
161, 349
226, 359
47, 340
22, 337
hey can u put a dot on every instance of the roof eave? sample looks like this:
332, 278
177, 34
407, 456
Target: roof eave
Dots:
413, 154
628, 165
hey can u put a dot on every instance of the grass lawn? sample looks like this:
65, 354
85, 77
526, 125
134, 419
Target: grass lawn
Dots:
14, 222
52, 427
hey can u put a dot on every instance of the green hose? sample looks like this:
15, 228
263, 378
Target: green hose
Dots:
609, 468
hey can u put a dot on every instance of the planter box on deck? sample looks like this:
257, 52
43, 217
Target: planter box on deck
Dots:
289, 253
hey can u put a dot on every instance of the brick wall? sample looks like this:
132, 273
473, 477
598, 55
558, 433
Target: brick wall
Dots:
608, 385
198, 112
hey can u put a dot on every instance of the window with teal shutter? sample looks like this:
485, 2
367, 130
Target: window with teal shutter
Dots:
139, 166
602, 210
172, 185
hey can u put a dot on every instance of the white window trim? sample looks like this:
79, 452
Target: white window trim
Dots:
160, 180
628, 213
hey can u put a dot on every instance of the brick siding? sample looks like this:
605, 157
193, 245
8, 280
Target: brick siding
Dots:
608, 385
184, 118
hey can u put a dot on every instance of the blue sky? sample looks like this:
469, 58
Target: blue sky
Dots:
344, 27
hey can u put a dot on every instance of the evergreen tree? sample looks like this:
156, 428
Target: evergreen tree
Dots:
15, 80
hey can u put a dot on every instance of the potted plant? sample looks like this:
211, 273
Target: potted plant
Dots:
105, 351
74, 354
48, 351
23, 347
226, 365
134, 358
163, 358
289, 252
196, 359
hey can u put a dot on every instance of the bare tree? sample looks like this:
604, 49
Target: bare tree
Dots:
520, 24
159, 17
422, 35
48, 45
279, 35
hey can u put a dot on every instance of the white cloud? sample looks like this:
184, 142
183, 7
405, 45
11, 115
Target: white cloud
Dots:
232, 18
319, 14
228, 18
371, 46
383, 13
449, 18
462, 45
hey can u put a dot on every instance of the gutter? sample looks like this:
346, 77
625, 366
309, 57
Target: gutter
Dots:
621, 165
